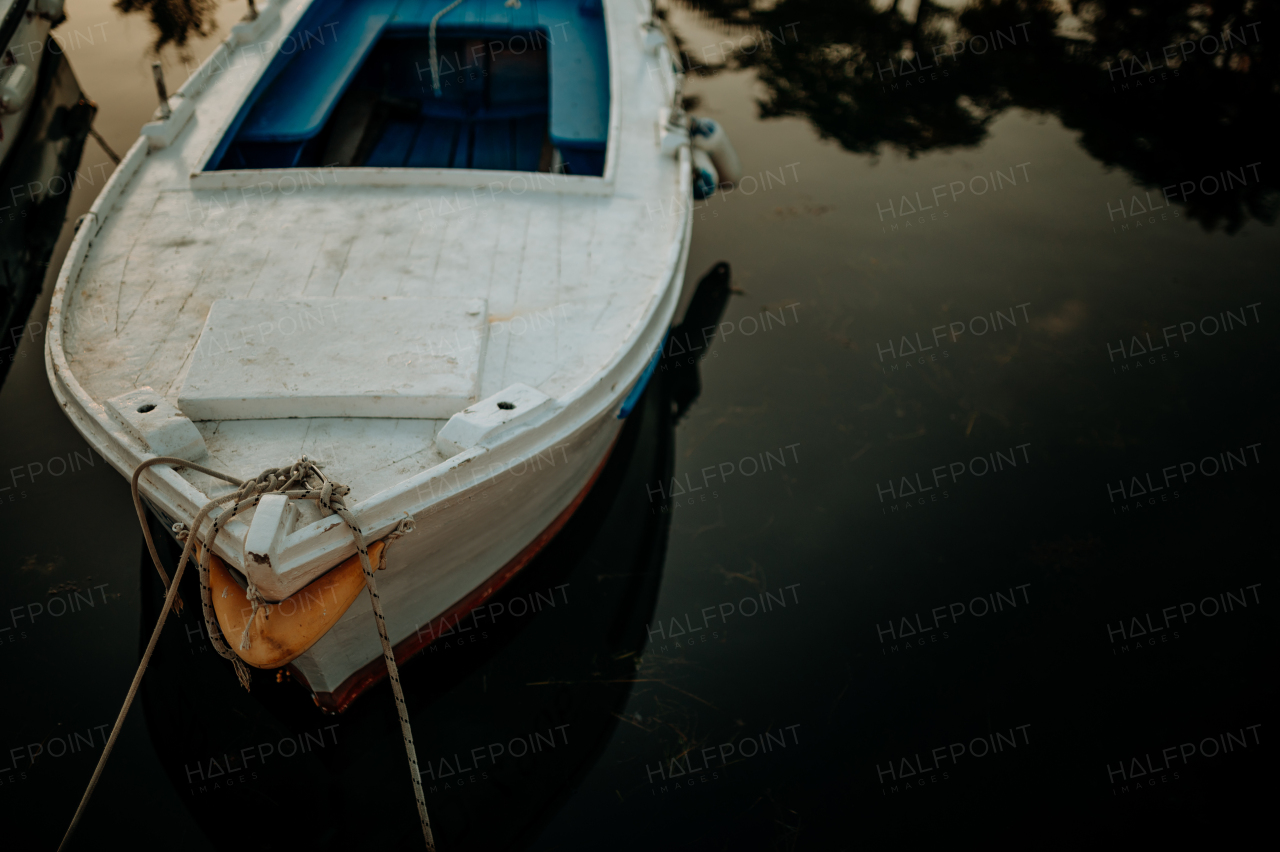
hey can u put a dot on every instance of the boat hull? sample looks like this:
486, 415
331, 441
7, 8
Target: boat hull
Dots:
567, 670
27, 48
39, 171
455, 561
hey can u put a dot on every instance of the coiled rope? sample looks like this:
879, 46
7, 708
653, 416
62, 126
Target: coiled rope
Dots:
302, 480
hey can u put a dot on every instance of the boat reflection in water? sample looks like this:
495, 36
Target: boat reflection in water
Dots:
511, 705
35, 187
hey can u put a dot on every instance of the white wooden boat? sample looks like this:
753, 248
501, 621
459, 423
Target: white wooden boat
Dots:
24, 29
452, 333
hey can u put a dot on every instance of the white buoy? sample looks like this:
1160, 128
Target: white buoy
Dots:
709, 136
705, 176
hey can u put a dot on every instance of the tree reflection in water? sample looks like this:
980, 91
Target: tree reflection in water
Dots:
1096, 65
175, 21
837, 63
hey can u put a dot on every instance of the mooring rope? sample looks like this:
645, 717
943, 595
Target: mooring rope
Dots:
431, 37
247, 495
331, 498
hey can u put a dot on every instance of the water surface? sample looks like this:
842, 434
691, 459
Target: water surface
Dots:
970, 514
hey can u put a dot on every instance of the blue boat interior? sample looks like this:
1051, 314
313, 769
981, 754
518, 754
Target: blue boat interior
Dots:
523, 85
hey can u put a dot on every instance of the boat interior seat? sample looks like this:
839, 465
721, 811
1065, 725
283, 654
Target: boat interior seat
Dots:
579, 68
573, 34
546, 78
299, 92
492, 113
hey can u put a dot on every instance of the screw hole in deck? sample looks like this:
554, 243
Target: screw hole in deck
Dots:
507, 406
143, 409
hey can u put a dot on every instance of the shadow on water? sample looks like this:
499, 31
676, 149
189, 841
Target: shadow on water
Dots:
1173, 93
36, 183
509, 711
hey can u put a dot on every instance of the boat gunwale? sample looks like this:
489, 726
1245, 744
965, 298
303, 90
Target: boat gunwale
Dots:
181, 499
205, 177
328, 543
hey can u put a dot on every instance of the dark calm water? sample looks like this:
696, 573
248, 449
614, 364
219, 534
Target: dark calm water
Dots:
967, 538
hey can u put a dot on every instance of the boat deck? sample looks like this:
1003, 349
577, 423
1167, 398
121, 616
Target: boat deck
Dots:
567, 276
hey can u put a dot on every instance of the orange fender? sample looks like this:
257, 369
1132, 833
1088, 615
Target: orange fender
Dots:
284, 630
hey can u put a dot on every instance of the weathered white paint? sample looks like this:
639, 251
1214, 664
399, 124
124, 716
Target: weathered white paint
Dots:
492, 419
346, 357
580, 288
157, 423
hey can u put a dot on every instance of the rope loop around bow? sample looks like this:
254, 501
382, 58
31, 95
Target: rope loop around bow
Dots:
314, 485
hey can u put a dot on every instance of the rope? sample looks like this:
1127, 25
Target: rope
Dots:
247, 495
255, 600
435, 64
331, 498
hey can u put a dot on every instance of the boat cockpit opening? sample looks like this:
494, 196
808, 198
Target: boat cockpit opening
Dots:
521, 87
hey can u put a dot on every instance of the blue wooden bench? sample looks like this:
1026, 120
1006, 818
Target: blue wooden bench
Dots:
579, 65
300, 89
298, 102
298, 94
